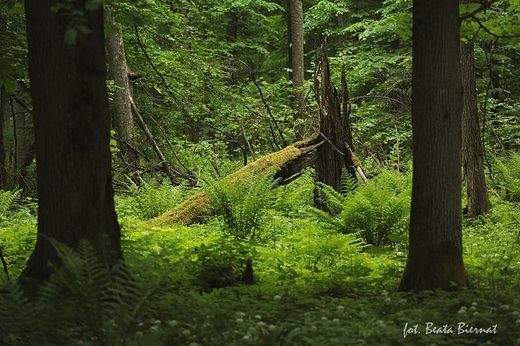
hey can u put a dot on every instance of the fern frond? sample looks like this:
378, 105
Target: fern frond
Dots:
348, 183
331, 198
508, 177
7, 199
17, 316
240, 205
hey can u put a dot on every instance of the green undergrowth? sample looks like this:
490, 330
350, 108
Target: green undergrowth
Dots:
316, 282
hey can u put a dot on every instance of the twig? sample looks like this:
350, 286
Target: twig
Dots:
245, 137
267, 108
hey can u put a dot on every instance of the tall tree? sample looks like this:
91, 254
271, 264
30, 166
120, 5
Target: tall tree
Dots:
472, 152
297, 64
435, 251
72, 131
119, 72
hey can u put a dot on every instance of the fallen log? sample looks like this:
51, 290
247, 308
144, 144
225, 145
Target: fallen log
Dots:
283, 164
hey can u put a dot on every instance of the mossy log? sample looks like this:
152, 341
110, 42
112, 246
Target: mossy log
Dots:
283, 164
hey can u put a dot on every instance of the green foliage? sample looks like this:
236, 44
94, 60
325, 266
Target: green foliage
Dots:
507, 176
82, 301
377, 211
17, 230
491, 244
220, 264
7, 198
241, 205
149, 199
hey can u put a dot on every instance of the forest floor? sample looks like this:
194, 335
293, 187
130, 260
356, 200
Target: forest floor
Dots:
315, 282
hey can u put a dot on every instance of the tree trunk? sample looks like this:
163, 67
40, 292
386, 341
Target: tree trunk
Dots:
335, 155
20, 135
4, 122
472, 152
298, 66
72, 132
123, 120
435, 252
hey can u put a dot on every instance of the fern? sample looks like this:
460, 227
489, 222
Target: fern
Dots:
240, 205
378, 212
82, 301
508, 176
149, 199
17, 317
7, 199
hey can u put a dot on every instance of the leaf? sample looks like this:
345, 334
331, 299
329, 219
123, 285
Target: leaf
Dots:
92, 5
85, 30
71, 36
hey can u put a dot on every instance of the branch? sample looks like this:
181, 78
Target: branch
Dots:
484, 6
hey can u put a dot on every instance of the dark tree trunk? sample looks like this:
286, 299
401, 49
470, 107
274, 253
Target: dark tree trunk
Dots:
298, 66
335, 155
4, 121
472, 152
72, 132
20, 136
435, 252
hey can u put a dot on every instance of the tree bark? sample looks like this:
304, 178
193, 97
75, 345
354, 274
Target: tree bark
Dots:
472, 153
20, 136
336, 153
72, 133
435, 251
123, 120
298, 66
4, 122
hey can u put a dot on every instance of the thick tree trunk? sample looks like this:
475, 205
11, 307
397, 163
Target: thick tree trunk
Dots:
298, 66
283, 164
435, 252
123, 120
72, 131
472, 152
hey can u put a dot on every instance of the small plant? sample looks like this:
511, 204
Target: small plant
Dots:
507, 176
83, 301
378, 211
241, 205
221, 264
150, 199
7, 199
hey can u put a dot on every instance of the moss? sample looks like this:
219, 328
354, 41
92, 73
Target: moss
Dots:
196, 208
268, 164
192, 210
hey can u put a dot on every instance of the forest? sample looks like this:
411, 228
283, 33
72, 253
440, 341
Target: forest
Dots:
259, 172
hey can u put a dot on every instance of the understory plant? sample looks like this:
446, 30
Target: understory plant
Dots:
83, 302
377, 211
507, 176
149, 199
240, 205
